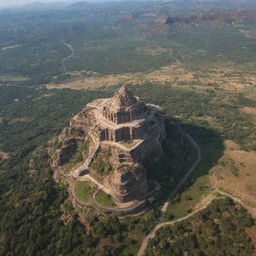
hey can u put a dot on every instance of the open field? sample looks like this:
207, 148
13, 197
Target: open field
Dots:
249, 110
189, 200
235, 173
105, 199
229, 77
83, 190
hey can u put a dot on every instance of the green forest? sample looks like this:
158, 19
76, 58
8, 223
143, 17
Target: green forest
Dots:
36, 216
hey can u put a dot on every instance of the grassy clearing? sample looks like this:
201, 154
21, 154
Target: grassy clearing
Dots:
105, 199
83, 190
235, 173
185, 202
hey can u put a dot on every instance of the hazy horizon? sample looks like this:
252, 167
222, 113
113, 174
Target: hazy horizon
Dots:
12, 3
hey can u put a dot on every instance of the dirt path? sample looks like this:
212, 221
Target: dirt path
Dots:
166, 204
70, 56
250, 209
151, 235
160, 225
199, 157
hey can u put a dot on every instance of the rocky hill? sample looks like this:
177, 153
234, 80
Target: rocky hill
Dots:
121, 138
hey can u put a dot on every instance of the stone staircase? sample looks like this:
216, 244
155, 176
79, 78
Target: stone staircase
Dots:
83, 169
91, 155
124, 157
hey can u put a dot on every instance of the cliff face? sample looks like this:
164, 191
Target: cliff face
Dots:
128, 182
125, 132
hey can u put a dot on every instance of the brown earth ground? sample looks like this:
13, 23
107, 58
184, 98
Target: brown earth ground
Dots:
4, 155
228, 76
236, 173
21, 119
249, 110
13, 78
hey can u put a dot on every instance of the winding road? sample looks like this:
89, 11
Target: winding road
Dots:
70, 56
152, 233
199, 157
250, 209
166, 204
160, 225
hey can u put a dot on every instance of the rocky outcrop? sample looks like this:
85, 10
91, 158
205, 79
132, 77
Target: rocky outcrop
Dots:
128, 132
65, 153
128, 183
124, 107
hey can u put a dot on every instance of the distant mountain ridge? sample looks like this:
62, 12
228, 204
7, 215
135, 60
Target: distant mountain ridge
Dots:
79, 4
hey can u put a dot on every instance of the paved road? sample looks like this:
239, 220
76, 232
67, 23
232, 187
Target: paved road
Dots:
70, 56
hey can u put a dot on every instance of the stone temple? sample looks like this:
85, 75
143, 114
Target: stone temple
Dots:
121, 132
132, 132
124, 147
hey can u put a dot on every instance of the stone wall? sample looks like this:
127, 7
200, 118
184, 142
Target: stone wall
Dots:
123, 114
127, 183
121, 134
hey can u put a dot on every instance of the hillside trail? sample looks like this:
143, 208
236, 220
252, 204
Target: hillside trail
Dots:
249, 208
192, 168
166, 204
203, 206
162, 224
70, 56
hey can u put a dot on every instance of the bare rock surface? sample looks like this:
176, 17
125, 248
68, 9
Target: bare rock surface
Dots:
128, 132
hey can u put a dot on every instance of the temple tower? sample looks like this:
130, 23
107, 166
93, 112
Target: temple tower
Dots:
124, 107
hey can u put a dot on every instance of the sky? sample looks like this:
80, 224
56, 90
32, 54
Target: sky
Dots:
5, 3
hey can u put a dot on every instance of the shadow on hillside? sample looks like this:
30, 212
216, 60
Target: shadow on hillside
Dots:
211, 147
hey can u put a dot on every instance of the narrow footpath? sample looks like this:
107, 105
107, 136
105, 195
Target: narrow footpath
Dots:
166, 204
160, 225
198, 159
152, 233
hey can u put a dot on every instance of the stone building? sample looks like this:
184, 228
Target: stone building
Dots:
123, 108
131, 132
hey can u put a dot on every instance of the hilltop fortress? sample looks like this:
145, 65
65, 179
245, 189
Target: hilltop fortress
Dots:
119, 135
